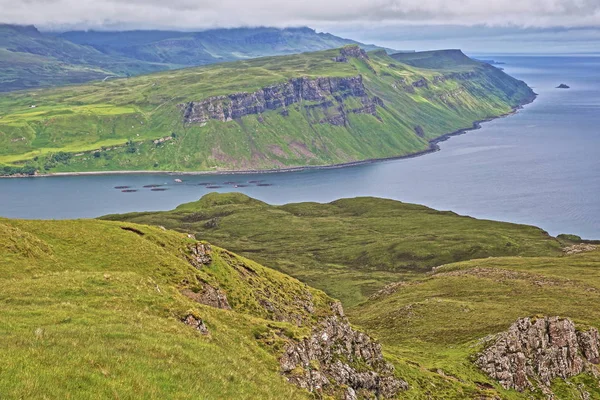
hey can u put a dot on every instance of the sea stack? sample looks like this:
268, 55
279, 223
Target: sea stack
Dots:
563, 86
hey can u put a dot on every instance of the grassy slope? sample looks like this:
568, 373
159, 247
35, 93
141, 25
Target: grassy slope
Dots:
349, 248
431, 324
437, 321
92, 310
107, 114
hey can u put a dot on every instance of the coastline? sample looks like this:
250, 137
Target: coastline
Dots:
433, 147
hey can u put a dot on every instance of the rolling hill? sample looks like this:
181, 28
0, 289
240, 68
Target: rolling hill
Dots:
437, 314
118, 309
349, 248
313, 109
442, 321
210, 46
31, 59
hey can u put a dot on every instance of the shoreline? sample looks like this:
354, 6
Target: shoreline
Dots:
433, 147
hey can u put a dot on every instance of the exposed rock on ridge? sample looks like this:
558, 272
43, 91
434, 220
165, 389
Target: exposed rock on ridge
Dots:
209, 296
350, 52
200, 255
196, 323
579, 248
534, 351
329, 92
334, 356
334, 359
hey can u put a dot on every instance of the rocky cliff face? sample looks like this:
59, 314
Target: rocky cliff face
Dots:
325, 93
534, 351
339, 360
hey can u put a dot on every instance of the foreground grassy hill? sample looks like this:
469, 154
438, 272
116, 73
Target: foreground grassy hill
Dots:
109, 309
90, 308
349, 248
312, 109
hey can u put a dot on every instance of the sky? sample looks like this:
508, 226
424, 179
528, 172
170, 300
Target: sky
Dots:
474, 25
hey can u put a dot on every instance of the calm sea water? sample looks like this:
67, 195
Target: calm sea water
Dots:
540, 167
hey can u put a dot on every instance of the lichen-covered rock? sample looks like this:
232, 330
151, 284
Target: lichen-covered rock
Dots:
209, 296
579, 248
196, 323
200, 254
534, 351
328, 92
336, 355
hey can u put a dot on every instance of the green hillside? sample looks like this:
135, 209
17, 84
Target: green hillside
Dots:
349, 248
431, 321
107, 309
93, 309
312, 109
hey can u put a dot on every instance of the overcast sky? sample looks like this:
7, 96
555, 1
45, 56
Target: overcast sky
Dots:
562, 25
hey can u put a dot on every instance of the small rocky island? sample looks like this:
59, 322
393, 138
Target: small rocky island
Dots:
563, 86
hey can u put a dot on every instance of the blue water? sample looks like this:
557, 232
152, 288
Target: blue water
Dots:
540, 167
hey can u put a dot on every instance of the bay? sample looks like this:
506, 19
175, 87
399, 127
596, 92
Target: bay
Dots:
539, 166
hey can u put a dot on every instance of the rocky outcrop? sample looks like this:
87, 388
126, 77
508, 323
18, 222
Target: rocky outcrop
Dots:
338, 358
351, 52
533, 352
209, 296
419, 131
196, 323
579, 248
421, 83
327, 93
200, 254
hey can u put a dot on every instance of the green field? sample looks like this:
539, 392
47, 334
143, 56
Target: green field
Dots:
112, 125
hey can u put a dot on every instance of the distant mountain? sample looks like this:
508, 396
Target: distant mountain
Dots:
211, 46
30, 58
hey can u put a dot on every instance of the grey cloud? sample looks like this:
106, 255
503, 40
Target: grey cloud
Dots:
198, 14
